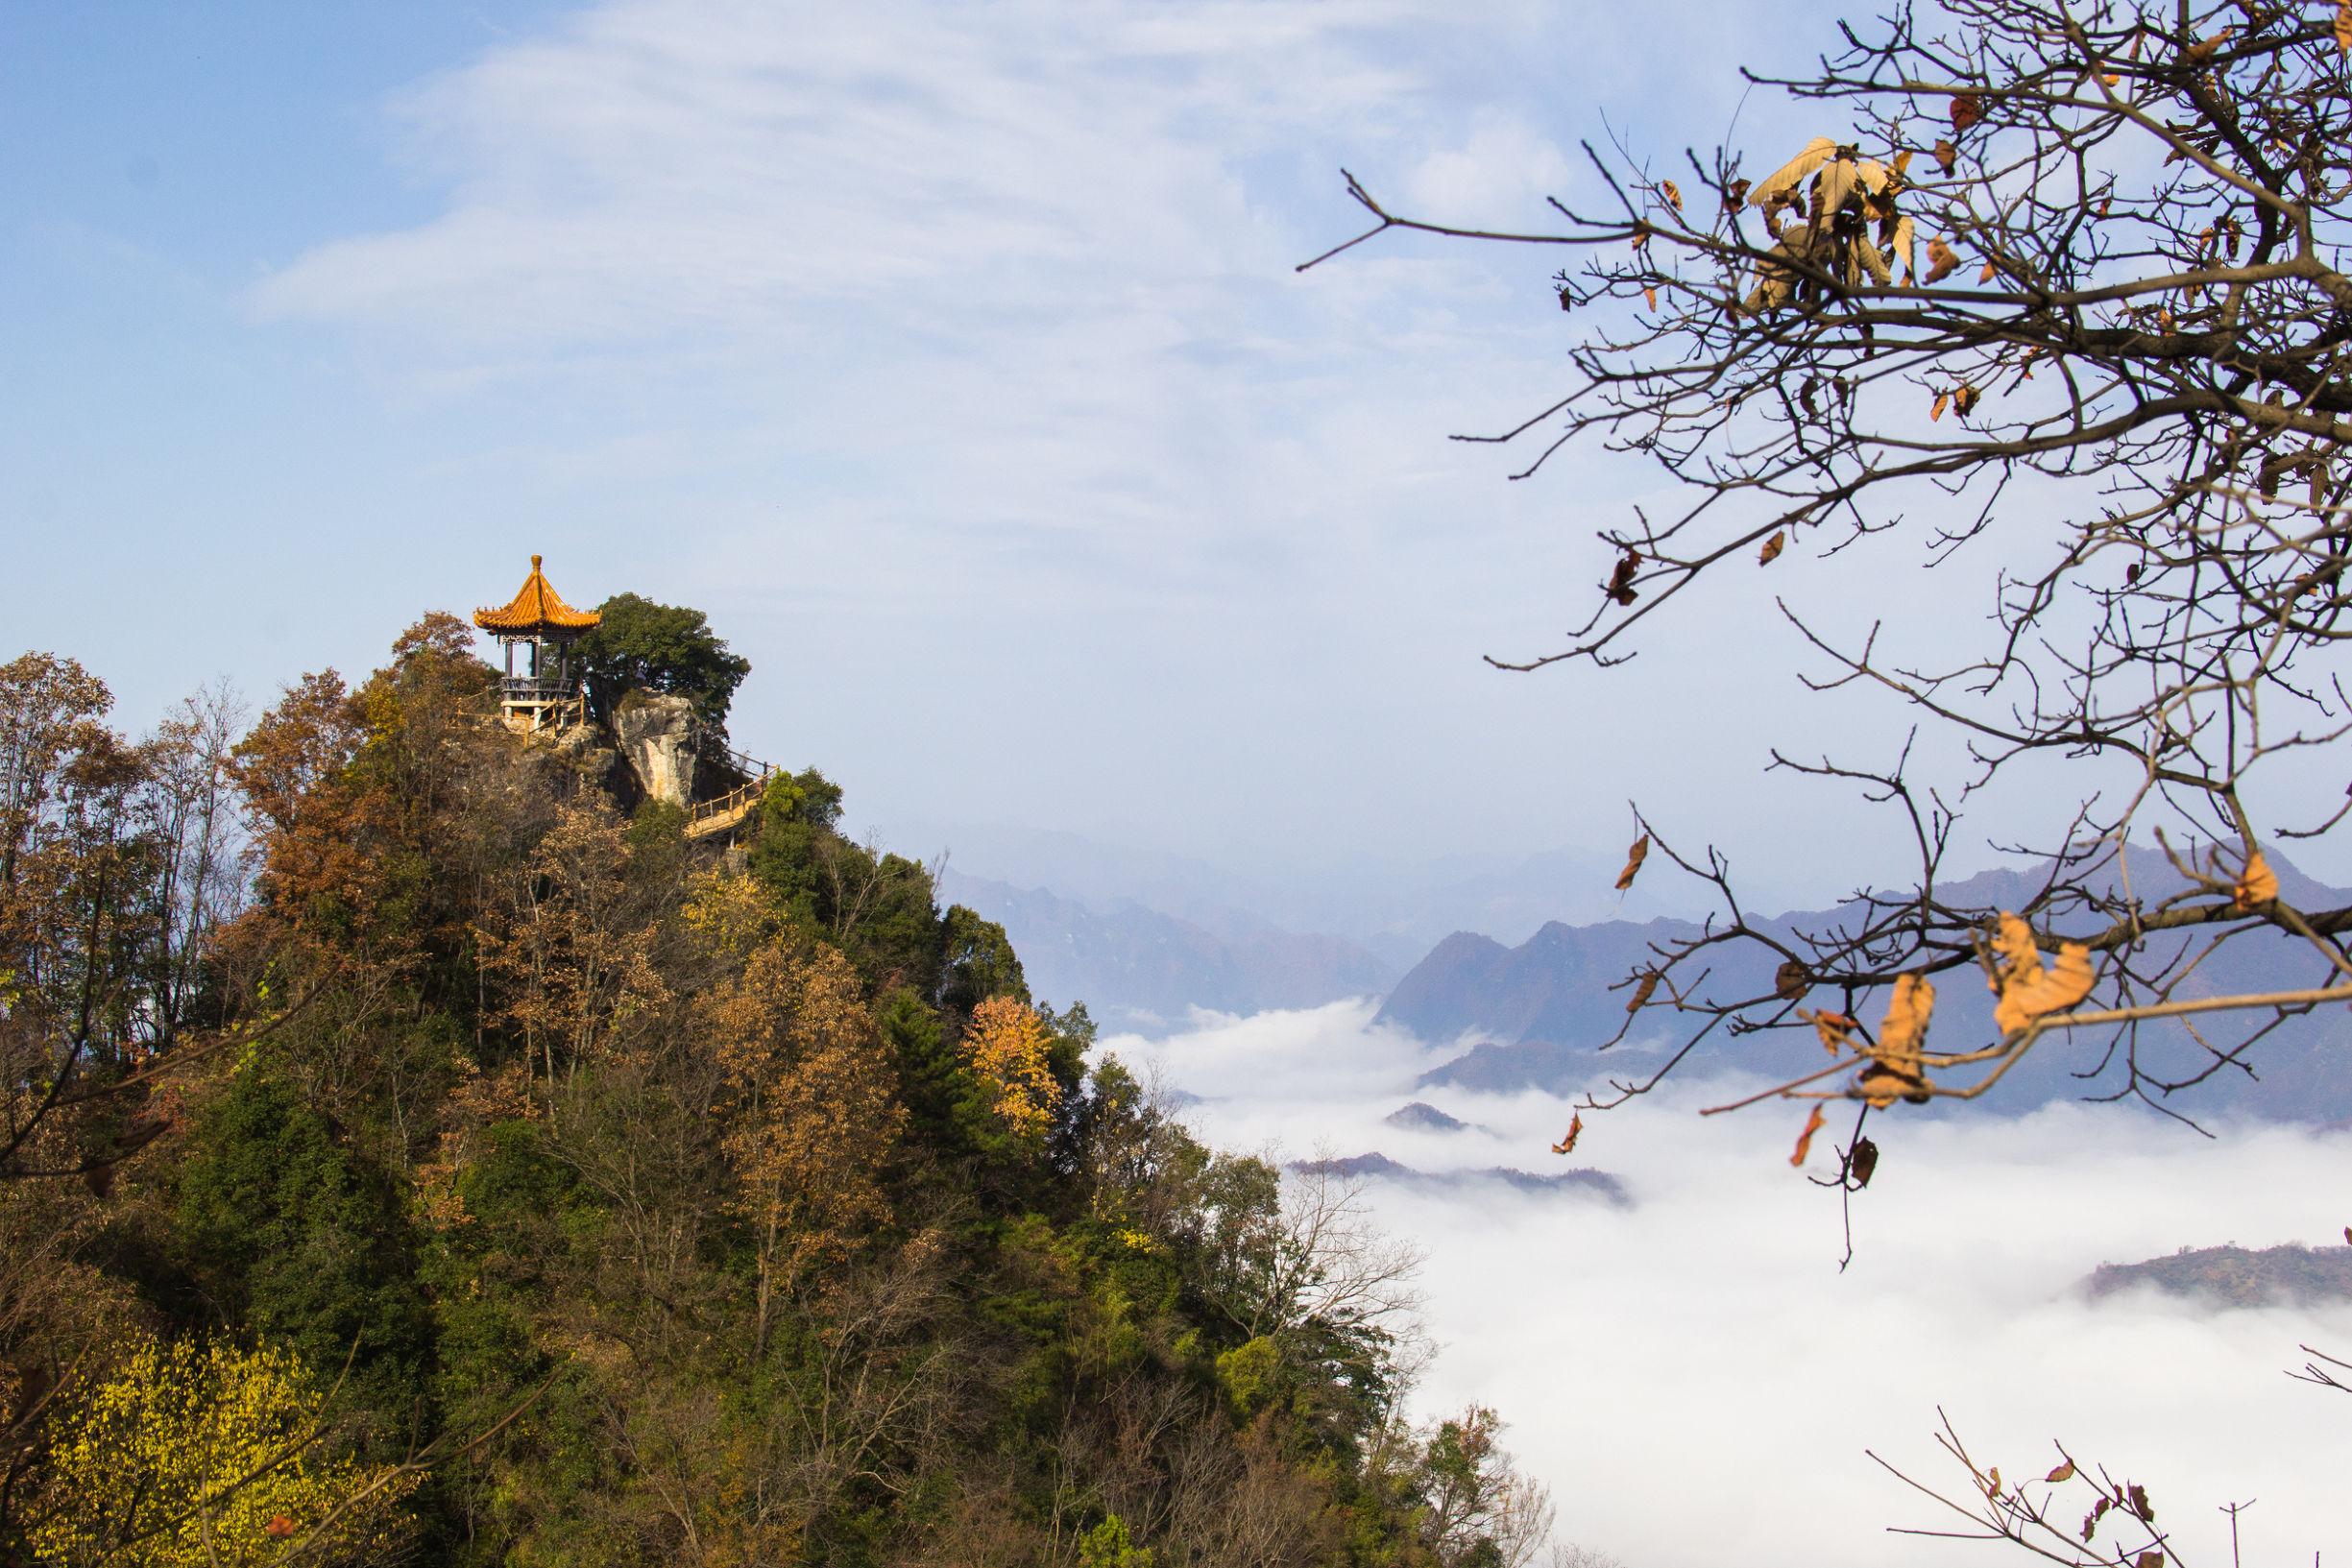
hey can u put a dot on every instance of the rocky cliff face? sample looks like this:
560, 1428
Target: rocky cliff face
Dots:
663, 744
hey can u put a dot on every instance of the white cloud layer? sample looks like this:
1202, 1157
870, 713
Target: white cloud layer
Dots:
1697, 1382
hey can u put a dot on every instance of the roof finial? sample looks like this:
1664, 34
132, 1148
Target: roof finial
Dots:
534, 563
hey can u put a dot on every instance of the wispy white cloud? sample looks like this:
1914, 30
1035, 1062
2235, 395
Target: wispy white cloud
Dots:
1696, 1380
967, 338
659, 167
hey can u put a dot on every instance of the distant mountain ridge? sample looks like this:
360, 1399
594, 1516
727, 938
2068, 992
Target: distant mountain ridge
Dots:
1136, 967
1374, 1165
2235, 1276
1395, 907
1538, 1011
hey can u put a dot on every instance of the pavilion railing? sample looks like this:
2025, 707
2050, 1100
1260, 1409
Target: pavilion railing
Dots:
538, 688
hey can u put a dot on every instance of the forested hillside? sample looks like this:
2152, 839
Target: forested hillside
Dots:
409, 1158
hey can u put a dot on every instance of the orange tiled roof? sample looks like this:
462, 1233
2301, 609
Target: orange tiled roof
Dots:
537, 608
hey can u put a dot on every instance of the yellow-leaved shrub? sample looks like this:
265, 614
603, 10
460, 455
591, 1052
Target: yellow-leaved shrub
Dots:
1008, 1048
192, 1455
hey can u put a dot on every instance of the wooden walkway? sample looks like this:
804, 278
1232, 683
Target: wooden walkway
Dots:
708, 819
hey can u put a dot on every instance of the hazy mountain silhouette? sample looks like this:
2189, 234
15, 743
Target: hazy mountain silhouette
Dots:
2235, 1276
1374, 1165
1135, 966
1538, 1011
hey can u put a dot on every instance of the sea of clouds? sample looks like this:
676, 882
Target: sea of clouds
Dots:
1697, 1380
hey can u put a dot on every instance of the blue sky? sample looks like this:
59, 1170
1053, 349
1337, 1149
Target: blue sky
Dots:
950, 356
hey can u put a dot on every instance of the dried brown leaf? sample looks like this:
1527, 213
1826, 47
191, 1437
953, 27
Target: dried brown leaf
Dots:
1576, 1127
1784, 183
1792, 980
1896, 1068
2020, 959
1966, 109
1964, 399
2203, 50
2064, 1472
2257, 885
1773, 547
1643, 990
2027, 991
1804, 1139
1903, 163
1862, 1163
1620, 583
1987, 273
1649, 295
1904, 1034
1832, 1027
1940, 260
1634, 855
1947, 156
2343, 25
1874, 261
1835, 187
1674, 197
1735, 196
1943, 401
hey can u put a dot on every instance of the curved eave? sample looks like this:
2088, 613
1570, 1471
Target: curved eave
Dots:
537, 610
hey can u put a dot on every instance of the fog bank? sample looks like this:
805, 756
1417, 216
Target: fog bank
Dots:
1697, 1380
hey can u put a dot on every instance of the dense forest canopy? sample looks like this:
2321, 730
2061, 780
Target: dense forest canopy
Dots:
407, 1157
639, 645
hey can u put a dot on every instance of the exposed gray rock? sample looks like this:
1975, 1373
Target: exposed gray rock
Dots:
663, 743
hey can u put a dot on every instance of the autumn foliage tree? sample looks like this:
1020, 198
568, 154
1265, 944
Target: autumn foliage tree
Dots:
811, 1116
1010, 1055
407, 1157
203, 1456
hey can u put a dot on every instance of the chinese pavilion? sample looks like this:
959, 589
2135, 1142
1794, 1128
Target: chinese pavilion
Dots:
546, 692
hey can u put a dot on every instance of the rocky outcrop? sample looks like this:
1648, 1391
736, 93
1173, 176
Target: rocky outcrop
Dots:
663, 744
589, 751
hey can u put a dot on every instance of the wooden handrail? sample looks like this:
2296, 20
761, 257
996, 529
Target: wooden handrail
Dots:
715, 816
